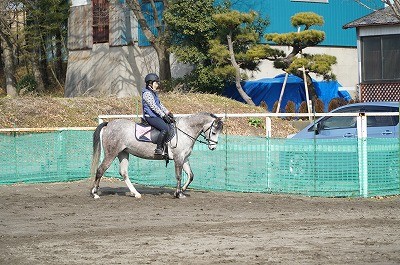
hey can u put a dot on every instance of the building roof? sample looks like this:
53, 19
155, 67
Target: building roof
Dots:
385, 16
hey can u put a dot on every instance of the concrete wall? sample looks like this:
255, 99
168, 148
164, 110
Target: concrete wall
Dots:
102, 71
117, 71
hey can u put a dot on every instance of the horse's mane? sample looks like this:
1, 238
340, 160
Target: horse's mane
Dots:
220, 123
207, 113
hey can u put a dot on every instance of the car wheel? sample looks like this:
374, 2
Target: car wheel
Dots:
394, 168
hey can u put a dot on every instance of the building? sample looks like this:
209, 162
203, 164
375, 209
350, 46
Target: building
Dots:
338, 42
109, 55
378, 45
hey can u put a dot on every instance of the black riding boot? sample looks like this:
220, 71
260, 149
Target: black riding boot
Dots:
160, 143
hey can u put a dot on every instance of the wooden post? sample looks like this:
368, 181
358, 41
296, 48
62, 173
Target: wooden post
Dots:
307, 96
282, 91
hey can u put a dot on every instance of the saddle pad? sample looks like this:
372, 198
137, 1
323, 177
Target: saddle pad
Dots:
143, 132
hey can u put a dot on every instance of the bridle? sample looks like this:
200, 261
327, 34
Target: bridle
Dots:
202, 134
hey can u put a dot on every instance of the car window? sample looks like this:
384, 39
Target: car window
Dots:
330, 123
342, 122
380, 121
339, 122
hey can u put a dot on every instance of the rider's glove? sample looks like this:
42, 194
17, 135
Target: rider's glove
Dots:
171, 116
167, 119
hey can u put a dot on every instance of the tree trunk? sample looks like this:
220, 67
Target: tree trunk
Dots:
43, 65
9, 67
164, 62
37, 74
311, 88
59, 62
156, 42
237, 74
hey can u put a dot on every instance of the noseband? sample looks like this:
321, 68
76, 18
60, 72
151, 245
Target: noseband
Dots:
209, 141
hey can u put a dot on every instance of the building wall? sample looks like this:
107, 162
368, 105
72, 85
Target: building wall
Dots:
127, 50
336, 13
113, 70
382, 91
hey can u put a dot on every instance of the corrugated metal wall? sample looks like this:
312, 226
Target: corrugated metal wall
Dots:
123, 26
336, 14
148, 13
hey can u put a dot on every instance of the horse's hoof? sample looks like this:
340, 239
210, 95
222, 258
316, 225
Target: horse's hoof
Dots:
138, 196
179, 195
95, 196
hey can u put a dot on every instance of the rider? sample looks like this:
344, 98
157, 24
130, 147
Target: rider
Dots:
154, 111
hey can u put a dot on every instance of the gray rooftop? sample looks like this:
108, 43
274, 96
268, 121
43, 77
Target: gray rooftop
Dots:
384, 16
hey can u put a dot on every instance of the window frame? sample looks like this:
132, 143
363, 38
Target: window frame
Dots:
101, 21
373, 69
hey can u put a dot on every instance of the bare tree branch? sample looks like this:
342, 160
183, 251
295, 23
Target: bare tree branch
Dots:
394, 5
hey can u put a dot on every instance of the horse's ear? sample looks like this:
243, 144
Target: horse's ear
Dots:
220, 122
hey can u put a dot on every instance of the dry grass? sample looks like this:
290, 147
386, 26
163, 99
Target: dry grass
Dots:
32, 111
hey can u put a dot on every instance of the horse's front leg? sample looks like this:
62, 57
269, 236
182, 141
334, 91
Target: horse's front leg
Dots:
178, 174
190, 176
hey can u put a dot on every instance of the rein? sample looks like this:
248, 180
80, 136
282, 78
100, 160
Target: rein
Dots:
208, 142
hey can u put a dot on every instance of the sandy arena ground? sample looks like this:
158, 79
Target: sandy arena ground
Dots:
61, 224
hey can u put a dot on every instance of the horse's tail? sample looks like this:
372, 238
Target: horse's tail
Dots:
96, 148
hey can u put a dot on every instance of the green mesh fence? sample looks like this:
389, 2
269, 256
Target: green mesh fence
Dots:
331, 168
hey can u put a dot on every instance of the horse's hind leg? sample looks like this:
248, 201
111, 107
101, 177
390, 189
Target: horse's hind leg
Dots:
105, 164
123, 171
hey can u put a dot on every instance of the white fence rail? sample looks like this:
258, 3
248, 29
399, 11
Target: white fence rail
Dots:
361, 120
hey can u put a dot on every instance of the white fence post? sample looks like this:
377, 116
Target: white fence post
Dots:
362, 154
268, 133
268, 127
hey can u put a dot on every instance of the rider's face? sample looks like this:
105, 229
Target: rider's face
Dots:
156, 85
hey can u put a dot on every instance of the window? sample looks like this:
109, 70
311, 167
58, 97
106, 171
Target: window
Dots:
380, 58
382, 121
100, 21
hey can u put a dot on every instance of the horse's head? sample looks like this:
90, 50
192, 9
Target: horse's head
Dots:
212, 132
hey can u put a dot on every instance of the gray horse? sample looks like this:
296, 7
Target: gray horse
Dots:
117, 138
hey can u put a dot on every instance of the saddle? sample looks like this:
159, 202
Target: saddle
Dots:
144, 132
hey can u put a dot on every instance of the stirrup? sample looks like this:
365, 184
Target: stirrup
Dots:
158, 151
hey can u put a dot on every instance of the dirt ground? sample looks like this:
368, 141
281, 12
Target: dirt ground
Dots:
60, 223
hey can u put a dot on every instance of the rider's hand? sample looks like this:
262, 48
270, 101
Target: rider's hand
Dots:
171, 116
167, 119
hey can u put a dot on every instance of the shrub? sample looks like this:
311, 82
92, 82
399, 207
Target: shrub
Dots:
26, 83
290, 108
275, 107
336, 103
303, 107
318, 105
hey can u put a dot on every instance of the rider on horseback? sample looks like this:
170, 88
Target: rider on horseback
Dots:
154, 111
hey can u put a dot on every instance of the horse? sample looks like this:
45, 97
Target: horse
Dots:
117, 139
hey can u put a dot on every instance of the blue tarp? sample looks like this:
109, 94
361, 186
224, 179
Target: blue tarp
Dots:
269, 89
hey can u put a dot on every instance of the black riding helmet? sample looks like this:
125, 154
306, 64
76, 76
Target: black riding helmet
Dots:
151, 78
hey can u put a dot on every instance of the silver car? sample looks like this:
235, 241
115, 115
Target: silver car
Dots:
330, 127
